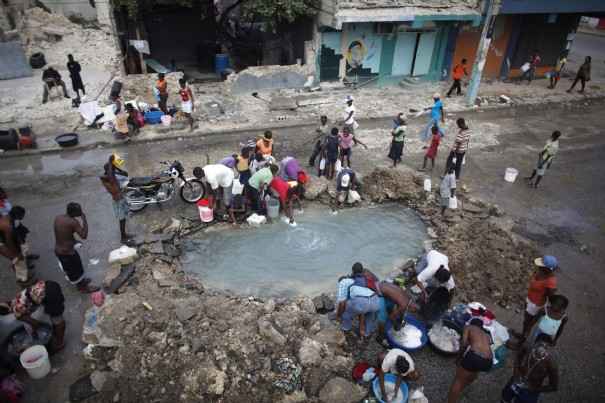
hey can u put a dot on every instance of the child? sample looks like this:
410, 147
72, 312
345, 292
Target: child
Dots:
447, 188
551, 319
187, 102
331, 153
431, 153
397, 143
346, 141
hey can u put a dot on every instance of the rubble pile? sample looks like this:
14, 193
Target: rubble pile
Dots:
56, 37
164, 337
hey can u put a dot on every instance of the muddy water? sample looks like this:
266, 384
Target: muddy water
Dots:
279, 260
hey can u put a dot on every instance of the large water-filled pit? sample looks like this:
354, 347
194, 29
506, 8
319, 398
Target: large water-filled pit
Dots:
282, 261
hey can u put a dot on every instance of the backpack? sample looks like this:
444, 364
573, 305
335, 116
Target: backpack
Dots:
362, 280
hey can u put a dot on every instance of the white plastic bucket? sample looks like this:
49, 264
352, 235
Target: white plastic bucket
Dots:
238, 188
453, 203
273, 208
35, 361
427, 185
166, 120
206, 214
510, 174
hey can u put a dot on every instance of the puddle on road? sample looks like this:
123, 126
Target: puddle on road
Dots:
278, 260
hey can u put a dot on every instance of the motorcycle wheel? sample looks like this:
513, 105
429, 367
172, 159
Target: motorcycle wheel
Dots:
135, 195
192, 191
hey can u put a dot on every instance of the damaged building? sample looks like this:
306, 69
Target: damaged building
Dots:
387, 39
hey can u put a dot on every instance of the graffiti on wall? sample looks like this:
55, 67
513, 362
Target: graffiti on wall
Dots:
363, 55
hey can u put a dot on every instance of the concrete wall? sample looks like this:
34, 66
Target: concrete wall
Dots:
80, 8
325, 17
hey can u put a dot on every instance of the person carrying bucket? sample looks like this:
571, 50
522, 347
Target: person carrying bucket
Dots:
43, 293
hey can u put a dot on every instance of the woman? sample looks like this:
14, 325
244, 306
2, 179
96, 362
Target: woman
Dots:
74, 73
398, 140
542, 285
582, 75
551, 320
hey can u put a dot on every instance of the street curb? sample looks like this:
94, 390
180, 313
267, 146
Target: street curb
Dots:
591, 32
260, 129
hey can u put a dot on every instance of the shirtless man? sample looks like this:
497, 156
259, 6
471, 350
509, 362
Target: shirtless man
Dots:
66, 225
11, 249
532, 367
394, 304
475, 356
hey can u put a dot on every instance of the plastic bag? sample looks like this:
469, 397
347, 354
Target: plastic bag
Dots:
338, 166
322, 164
354, 196
525, 67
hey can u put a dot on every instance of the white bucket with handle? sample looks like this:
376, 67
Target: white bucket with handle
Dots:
427, 185
510, 174
35, 361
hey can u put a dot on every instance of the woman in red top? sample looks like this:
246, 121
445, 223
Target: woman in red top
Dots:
287, 192
542, 285
431, 153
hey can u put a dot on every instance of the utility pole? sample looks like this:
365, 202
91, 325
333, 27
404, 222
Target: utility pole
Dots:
481, 57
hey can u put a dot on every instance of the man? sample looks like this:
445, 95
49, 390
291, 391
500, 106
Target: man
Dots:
10, 247
287, 192
542, 285
345, 182
555, 74
436, 282
264, 145
49, 295
257, 185
532, 366
357, 297
66, 225
459, 148
582, 75
437, 115
217, 175
5, 204
394, 305
475, 356
187, 102
399, 363
458, 72
545, 158
530, 73
113, 175
322, 132
447, 189
349, 116
74, 73
52, 78
162, 89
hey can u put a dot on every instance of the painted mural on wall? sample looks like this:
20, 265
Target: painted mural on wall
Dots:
362, 50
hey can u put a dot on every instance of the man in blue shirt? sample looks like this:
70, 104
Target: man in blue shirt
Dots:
437, 116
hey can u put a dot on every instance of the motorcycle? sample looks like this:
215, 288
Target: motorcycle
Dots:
145, 190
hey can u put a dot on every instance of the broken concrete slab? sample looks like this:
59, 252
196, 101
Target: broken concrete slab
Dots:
282, 104
116, 283
269, 77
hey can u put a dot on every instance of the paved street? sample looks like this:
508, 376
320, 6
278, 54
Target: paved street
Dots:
563, 215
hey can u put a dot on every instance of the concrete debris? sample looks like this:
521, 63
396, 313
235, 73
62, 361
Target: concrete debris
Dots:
258, 78
56, 36
310, 352
339, 390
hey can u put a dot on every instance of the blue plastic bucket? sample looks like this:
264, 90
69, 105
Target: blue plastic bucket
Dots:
389, 378
221, 62
411, 320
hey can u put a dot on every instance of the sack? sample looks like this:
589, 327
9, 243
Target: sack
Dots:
354, 196
525, 67
453, 203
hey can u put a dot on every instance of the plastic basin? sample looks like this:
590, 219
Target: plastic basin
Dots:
67, 139
411, 320
389, 378
451, 325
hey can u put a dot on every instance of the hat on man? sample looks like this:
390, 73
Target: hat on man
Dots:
436, 95
117, 161
349, 98
548, 261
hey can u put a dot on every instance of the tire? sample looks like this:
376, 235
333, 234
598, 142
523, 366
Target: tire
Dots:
192, 191
135, 194
37, 60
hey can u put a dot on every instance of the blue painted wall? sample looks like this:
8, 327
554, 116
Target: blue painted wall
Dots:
551, 6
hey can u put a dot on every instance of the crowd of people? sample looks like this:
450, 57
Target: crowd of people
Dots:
376, 307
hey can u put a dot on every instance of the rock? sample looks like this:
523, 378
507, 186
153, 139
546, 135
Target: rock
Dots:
339, 390
315, 187
431, 233
158, 338
81, 389
266, 329
185, 309
175, 226
157, 248
103, 380
216, 381
112, 273
503, 99
310, 352
269, 306
323, 304
331, 336
471, 208
307, 305
296, 397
